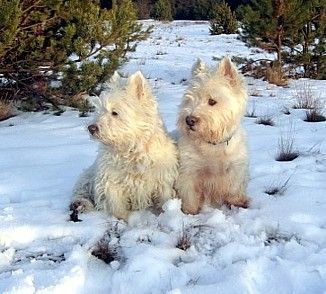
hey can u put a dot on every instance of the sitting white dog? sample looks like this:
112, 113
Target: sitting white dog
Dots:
137, 163
213, 149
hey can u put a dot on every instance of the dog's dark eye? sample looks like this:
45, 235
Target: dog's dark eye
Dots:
211, 102
114, 113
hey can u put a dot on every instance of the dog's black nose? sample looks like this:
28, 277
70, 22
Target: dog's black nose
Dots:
191, 120
93, 129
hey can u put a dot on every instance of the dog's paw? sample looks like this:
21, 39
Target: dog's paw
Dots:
81, 205
242, 201
190, 210
74, 216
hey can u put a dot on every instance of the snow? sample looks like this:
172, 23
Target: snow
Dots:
277, 245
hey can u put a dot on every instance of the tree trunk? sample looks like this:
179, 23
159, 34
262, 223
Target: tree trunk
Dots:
305, 45
279, 46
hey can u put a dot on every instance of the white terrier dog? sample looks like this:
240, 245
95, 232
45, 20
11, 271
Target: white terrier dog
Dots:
137, 163
213, 153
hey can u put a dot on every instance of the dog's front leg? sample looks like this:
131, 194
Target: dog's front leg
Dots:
192, 200
236, 196
83, 194
166, 193
117, 206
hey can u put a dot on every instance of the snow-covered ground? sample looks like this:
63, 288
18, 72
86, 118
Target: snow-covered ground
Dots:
278, 245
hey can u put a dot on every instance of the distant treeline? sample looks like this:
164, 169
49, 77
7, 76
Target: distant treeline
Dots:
181, 9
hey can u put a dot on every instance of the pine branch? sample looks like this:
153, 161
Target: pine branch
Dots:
31, 7
43, 23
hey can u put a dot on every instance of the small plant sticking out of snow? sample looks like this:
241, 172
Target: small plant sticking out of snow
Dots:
104, 252
184, 241
40, 257
83, 114
286, 150
108, 248
314, 115
277, 188
255, 93
161, 53
305, 98
58, 112
265, 120
286, 110
277, 237
252, 111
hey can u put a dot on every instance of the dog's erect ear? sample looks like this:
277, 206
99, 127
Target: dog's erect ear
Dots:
95, 101
113, 83
138, 85
199, 68
228, 70
115, 80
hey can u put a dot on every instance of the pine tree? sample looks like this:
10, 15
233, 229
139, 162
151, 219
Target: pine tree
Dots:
224, 20
203, 9
308, 41
143, 8
55, 50
267, 23
294, 29
162, 10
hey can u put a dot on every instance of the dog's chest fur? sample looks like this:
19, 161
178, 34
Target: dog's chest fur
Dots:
213, 166
126, 176
212, 180
137, 178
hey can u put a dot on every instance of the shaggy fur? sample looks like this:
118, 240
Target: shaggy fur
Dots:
137, 164
213, 153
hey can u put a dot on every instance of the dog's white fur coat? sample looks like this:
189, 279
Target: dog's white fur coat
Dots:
137, 163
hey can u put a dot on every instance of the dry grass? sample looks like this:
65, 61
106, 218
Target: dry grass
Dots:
39, 257
104, 252
305, 98
286, 150
159, 52
255, 93
277, 237
6, 110
277, 188
274, 75
184, 241
107, 250
286, 110
179, 38
315, 115
265, 120
252, 111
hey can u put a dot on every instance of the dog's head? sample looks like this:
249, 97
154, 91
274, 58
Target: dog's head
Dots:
127, 114
213, 105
